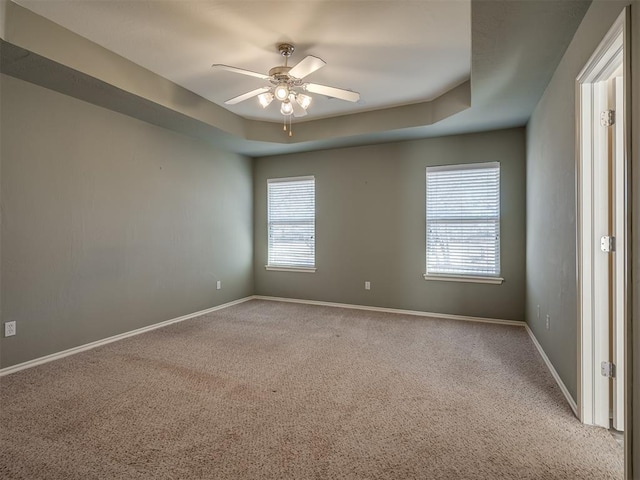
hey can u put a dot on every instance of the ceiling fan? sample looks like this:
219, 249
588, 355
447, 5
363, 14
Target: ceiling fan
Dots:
287, 85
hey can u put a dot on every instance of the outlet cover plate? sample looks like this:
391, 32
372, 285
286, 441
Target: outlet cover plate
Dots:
9, 329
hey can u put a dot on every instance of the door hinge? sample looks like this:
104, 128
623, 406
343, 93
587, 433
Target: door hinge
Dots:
608, 369
608, 118
607, 243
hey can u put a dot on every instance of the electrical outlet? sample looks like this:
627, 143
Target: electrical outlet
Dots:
9, 329
548, 321
367, 285
218, 284
538, 312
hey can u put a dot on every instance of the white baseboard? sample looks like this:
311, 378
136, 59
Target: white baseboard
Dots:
115, 338
393, 310
563, 388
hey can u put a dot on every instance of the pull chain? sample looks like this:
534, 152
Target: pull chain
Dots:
284, 125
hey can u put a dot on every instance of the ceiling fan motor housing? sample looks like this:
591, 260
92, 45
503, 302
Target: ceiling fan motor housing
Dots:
280, 74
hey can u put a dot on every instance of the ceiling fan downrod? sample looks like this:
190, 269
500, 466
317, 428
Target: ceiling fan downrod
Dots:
286, 49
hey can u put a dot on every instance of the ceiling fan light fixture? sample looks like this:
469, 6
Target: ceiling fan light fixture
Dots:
265, 99
285, 83
281, 92
303, 100
286, 108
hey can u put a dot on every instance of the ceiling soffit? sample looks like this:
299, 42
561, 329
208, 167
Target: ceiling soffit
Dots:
393, 53
504, 93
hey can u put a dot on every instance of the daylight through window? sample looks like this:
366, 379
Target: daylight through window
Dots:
463, 220
291, 212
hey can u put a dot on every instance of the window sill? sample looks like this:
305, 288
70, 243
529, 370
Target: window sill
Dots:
464, 278
274, 268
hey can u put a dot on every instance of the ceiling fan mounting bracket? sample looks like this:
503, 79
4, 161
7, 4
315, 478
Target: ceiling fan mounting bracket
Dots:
286, 49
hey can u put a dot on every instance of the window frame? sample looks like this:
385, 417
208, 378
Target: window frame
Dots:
291, 268
465, 277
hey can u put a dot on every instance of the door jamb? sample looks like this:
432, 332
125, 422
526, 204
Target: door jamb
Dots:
601, 64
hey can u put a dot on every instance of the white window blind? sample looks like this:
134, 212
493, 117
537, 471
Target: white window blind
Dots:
291, 212
463, 220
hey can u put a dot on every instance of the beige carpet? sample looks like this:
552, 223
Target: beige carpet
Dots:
267, 390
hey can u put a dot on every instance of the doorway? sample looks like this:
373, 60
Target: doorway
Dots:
603, 232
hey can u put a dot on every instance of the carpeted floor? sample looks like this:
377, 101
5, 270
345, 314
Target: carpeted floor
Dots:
268, 390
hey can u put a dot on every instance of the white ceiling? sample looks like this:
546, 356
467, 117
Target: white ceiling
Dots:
393, 52
401, 49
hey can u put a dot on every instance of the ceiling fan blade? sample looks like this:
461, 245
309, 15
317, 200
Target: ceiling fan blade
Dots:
347, 95
298, 111
240, 70
245, 96
307, 66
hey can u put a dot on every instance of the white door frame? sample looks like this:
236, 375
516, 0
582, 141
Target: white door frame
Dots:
593, 221
622, 267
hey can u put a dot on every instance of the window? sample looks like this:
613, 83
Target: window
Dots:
463, 222
291, 218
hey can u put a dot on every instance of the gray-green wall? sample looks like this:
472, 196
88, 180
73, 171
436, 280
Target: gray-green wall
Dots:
110, 224
551, 199
370, 225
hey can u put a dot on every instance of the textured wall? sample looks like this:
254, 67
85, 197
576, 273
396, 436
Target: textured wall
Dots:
110, 223
551, 200
370, 225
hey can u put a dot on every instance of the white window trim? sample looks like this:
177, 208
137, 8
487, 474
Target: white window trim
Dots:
487, 279
275, 268
290, 179
464, 278
290, 268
